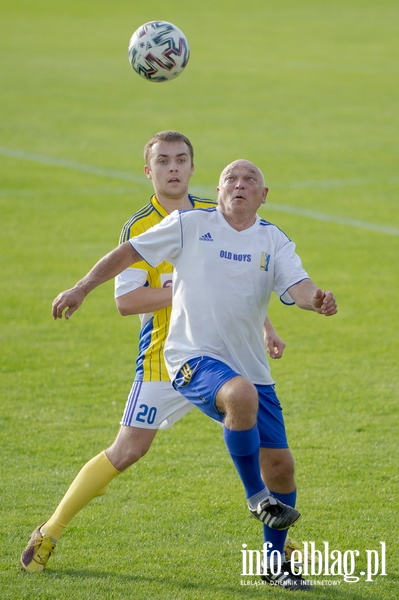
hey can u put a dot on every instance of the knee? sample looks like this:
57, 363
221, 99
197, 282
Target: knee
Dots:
238, 400
282, 472
123, 456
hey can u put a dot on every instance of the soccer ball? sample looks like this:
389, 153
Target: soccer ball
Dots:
158, 51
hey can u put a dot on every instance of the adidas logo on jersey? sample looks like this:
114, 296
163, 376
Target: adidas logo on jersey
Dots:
206, 238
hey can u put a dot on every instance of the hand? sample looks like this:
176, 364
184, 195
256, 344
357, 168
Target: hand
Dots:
324, 303
275, 345
70, 300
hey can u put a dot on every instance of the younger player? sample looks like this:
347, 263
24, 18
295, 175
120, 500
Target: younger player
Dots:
152, 403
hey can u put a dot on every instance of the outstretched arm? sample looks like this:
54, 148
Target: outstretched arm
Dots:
274, 344
309, 297
106, 268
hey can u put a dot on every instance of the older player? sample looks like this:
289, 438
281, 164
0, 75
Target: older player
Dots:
215, 358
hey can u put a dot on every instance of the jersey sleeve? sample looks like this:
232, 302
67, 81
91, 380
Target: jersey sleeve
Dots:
136, 275
163, 242
129, 280
288, 270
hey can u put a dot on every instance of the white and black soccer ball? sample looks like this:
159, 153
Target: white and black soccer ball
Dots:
158, 51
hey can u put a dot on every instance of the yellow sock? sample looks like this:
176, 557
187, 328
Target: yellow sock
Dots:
91, 481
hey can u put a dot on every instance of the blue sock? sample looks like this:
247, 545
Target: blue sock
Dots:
275, 536
244, 450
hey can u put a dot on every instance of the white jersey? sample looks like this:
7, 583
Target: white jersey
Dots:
222, 283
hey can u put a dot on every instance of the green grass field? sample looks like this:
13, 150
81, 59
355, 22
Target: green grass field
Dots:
307, 90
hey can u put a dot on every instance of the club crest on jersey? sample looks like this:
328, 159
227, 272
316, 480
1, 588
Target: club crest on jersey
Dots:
264, 261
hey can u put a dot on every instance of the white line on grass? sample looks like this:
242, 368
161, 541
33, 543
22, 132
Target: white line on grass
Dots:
71, 164
110, 173
70, 191
341, 220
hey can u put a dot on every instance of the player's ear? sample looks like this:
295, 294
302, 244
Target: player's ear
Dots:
147, 172
264, 194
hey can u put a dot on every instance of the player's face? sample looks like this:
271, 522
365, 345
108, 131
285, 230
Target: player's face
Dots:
241, 189
170, 169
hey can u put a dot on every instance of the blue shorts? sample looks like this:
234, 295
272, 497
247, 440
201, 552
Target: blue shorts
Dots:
199, 381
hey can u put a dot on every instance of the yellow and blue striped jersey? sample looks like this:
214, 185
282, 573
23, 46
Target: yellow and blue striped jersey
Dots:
150, 365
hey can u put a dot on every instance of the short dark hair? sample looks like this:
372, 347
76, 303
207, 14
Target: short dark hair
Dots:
167, 136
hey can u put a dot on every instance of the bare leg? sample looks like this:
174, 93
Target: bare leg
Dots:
130, 445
